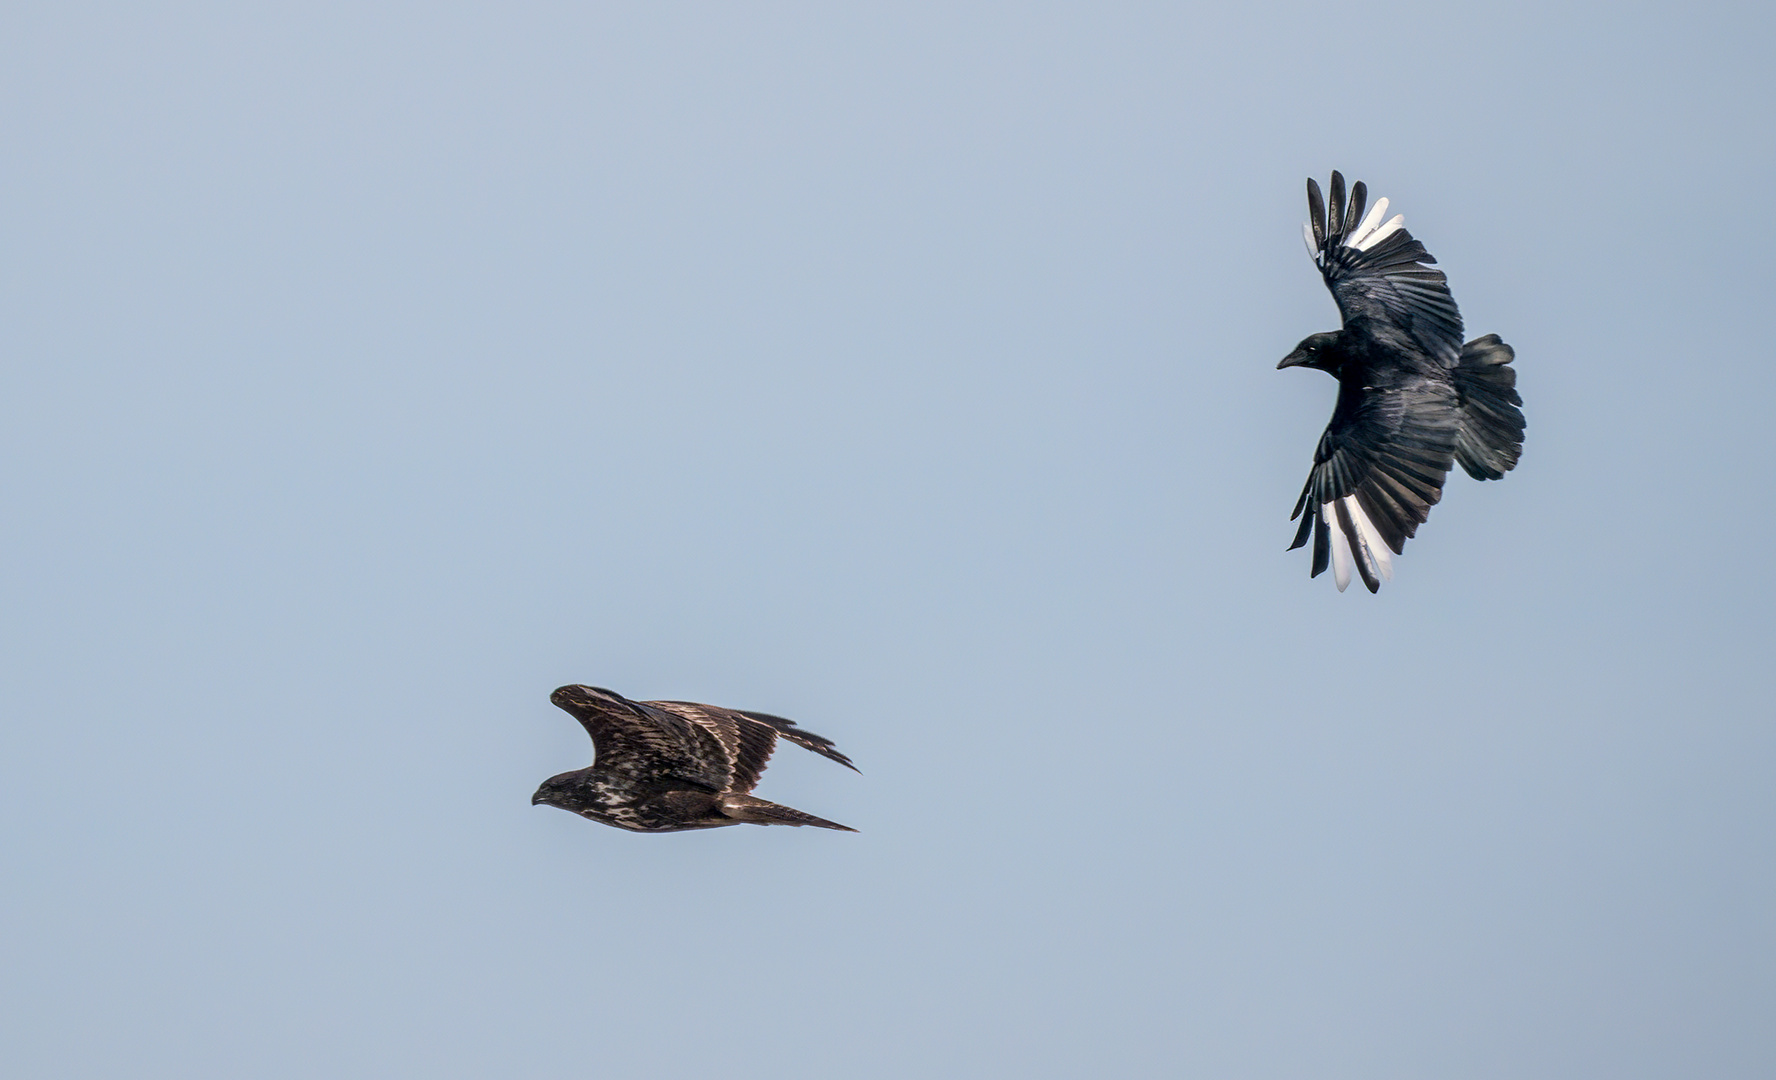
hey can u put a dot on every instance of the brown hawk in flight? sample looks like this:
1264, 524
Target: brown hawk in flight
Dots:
668, 766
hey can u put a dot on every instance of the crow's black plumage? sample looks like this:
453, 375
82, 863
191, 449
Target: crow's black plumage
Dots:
1412, 399
668, 766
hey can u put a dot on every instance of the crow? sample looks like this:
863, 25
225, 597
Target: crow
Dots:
669, 766
1412, 399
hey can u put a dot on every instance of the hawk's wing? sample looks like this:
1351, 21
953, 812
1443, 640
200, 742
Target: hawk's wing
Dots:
1379, 274
651, 743
1378, 470
747, 743
802, 737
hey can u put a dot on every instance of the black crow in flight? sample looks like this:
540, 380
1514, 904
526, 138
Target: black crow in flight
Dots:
1412, 398
668, 766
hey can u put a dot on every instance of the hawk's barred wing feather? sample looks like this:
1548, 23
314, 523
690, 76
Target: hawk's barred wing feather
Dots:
748, 743
803, 738
653, 742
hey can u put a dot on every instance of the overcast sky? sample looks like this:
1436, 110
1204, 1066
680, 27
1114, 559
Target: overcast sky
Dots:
368, 370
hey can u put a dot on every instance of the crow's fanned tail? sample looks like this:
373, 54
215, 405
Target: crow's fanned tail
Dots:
1489, 438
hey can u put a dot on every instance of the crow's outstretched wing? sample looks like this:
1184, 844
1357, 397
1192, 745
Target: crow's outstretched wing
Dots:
1380, 277
646, 743
1378, 470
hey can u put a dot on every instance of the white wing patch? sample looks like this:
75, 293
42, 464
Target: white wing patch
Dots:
1341, 549
1394, 225
1372, 231
1369, 547
1368, 226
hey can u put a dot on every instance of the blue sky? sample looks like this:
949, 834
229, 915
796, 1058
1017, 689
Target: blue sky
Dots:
373, 369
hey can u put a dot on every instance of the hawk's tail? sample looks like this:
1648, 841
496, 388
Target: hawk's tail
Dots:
760, 812
1489, 436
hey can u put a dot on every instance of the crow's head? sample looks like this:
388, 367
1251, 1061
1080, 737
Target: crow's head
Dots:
1315, 351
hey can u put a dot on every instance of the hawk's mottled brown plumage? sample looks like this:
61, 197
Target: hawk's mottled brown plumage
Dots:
668, 766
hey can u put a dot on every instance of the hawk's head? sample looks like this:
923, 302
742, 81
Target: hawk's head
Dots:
560, 791
592, 699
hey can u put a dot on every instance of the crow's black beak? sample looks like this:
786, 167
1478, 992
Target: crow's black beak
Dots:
1294, 359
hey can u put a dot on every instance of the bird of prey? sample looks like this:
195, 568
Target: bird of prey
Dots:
1412, 399
668, 766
